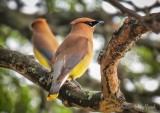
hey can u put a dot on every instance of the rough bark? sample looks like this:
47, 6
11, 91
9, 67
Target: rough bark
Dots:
32, 70
121, 42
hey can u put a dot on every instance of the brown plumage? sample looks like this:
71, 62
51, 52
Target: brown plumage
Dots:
74, 55
44, 42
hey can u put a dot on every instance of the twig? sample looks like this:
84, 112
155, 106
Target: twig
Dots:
125, 10
133, 108
148, 8
150, 21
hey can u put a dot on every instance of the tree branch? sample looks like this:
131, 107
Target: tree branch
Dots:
153, 45
124, 10
144, 9
121, 42
151, 21
29, 68
70, 95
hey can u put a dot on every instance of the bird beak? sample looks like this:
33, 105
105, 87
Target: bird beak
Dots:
99, 22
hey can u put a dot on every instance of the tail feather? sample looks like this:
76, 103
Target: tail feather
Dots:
54, 91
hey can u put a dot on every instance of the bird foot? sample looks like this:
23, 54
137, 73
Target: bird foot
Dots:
50, 78
31, 57
77, 84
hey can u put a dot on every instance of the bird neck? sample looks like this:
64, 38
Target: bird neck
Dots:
82, 30
41, 28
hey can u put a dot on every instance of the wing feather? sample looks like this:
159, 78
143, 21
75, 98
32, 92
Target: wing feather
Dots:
43, 45
69, 54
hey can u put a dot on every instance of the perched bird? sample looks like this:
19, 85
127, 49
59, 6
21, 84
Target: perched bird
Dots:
44, 42
73, 56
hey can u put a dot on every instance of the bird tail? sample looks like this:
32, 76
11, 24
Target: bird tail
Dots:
54, 91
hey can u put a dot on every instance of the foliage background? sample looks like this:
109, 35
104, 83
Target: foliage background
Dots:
139, 71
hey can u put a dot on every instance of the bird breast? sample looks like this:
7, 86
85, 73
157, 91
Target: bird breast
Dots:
79, 69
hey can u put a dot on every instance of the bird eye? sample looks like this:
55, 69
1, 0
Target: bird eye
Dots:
89, 23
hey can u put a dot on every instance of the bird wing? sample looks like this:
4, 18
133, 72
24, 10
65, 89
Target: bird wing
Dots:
68, 56
44, 46
41, 58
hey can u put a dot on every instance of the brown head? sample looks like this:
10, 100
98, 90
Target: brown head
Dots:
84, 25
39, 24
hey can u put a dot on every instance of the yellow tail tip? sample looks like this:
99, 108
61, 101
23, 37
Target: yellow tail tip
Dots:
52, 96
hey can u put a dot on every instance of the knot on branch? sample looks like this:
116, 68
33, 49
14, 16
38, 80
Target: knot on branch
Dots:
111, 104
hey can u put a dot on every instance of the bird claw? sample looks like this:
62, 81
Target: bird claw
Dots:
48, 81
77, 84
31, 57
50, 78
51, 74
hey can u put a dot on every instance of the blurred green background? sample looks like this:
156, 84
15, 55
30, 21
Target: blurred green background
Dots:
139, 70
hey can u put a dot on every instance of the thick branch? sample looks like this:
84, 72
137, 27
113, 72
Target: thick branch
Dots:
29, 68
121, 42
70, 95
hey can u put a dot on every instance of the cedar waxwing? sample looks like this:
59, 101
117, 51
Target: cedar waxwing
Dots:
44, 42
73, 56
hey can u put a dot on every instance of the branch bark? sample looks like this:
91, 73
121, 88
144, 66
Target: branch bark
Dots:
121, 42
110, 99
69, 94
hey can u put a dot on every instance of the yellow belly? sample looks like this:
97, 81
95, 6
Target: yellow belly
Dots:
79, 70
41, 58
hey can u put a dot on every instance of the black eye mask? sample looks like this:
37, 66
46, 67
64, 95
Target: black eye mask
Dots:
91, 24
